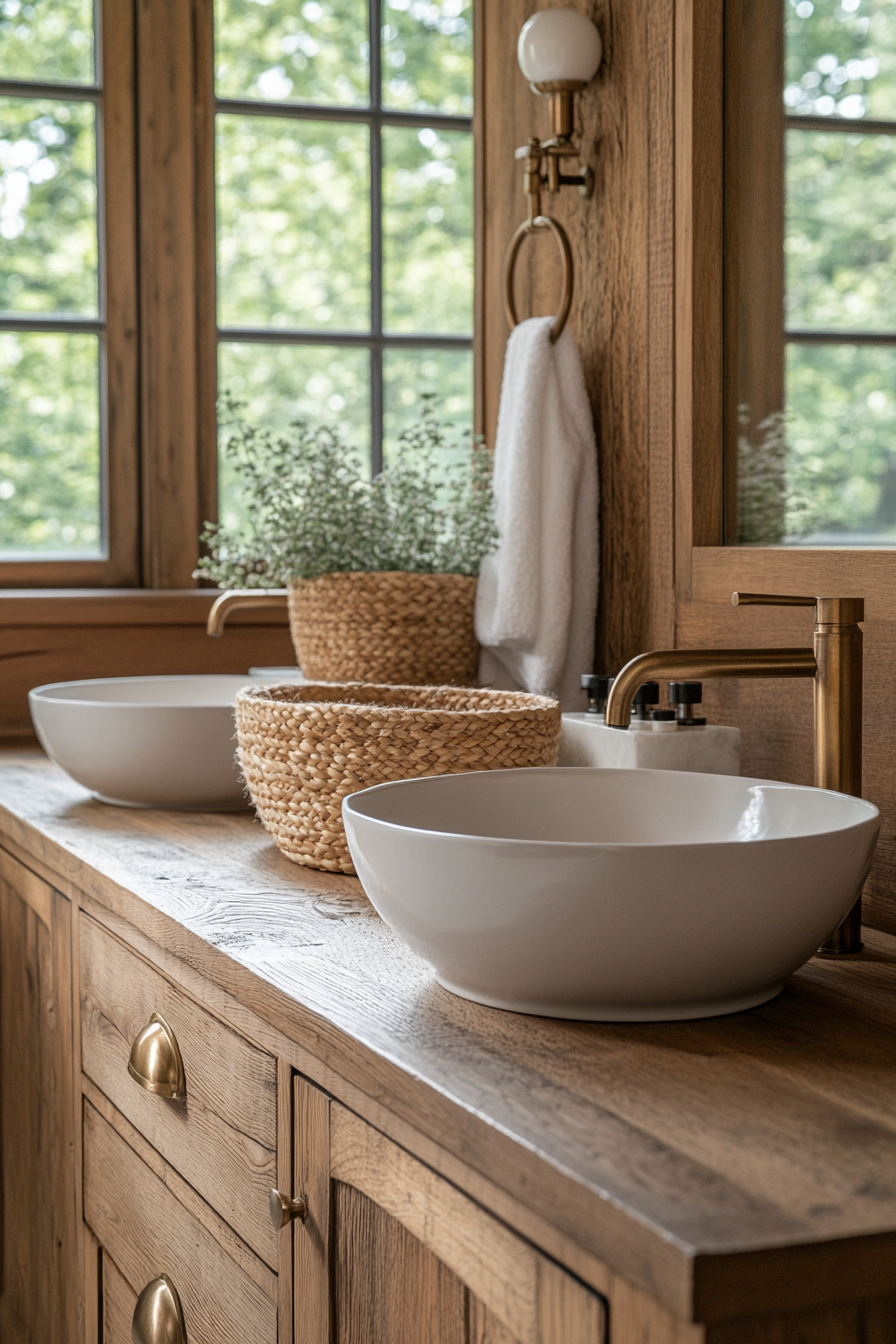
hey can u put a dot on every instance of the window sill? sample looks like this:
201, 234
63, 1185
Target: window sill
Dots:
121, 606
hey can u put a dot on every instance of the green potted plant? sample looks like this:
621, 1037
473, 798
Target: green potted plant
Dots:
381, 574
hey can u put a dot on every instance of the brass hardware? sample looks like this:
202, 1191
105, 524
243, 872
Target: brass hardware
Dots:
241, 597
835, 663
158, 1315
545, 161
283, 1209
156, 1061
525, 229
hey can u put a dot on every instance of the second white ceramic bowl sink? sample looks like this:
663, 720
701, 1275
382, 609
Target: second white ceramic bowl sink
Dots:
612, 895
165, 742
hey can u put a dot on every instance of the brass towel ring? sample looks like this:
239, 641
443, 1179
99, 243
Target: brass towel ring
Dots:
533, 226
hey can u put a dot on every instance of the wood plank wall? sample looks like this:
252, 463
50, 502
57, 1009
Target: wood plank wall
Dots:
622, 309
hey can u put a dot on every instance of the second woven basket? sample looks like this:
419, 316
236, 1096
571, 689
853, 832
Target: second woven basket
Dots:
305, 747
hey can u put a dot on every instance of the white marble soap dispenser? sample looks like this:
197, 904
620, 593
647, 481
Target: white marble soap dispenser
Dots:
676, 739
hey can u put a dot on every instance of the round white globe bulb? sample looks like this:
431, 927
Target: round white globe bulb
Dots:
559, 44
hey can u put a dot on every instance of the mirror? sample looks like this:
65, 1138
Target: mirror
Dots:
810, 276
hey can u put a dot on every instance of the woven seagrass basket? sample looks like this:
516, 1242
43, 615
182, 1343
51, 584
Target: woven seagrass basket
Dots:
305, 747
388, 627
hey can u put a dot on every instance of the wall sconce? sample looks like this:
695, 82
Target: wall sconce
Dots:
559, 52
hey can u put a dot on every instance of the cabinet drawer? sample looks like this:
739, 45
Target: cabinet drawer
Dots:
147, 1232
222, 1136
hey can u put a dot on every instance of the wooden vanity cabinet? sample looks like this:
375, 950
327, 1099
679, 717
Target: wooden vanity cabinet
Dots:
392, 1253
40, 1289
318, 1061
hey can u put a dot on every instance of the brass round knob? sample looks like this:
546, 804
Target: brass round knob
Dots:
283, 1209
156, 1061
158, 1315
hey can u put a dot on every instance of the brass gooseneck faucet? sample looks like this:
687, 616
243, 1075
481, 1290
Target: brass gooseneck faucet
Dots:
835, 662
241, 597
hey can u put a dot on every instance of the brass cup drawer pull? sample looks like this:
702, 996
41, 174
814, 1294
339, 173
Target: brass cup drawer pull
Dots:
156, 1062
284, 1209
158, 1315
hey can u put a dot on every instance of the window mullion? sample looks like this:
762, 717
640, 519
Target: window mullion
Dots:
376, 238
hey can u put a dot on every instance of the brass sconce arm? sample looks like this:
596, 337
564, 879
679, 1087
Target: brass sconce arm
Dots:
559, 52
543, 170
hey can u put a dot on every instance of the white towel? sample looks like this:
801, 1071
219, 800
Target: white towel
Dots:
537, 597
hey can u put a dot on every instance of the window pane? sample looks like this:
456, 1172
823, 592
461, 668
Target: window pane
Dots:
825, 472
281, 383
427, 230
841, 434
408, 374
841, 231
293, 223
428, 55
316, 52
841, 58
48, 253
50, 496
47, 40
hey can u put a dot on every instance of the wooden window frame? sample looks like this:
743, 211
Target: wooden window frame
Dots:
117, 316
155, 161
159, 384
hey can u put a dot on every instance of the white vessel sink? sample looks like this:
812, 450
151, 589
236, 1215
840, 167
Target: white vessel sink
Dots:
147, 741
610, 895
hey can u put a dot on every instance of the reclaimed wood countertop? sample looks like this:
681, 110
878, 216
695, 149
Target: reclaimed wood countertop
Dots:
715, 1164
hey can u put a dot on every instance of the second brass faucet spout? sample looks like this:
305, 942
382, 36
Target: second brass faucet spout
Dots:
835, 664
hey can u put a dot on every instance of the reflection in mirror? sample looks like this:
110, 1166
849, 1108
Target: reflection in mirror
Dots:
810, 279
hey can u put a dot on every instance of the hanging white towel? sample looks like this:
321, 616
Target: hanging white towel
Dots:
537, 596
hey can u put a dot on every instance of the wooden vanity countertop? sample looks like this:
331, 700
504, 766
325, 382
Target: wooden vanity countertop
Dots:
728, 1167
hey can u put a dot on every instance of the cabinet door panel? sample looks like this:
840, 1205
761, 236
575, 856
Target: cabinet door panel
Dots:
497, 1266
38, 1240
389, 1288
404, 1257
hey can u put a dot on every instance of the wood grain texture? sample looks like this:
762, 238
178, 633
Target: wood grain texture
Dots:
566, 1310
869, 1323
93, 1286
415, 1259
119, 1303
147, 1232
496, 1266
311, 1238
388, 1287
34, 656
121, 297
637, 1319
223, 1136
206, 258
688, 1157
41, 1259
621, 316
661, 324
232, 1245
168, 275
